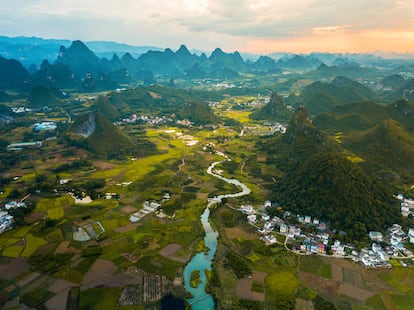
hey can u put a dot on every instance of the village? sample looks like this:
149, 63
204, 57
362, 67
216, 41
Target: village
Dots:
304, 235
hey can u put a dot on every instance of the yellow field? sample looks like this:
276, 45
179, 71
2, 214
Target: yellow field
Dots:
55, 213
13, 251
240, 116
32, 244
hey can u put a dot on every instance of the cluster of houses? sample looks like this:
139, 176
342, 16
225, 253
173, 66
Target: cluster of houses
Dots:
156, 120
269, 129
18, 110
407, 206
148, 208
6, 220
393, 246
44, 126
317, 240
147, 119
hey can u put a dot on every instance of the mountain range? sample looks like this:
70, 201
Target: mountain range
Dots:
65, 64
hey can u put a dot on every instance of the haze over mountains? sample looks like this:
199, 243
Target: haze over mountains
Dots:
106, 65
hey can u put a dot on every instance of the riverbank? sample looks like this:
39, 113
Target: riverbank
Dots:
201, 300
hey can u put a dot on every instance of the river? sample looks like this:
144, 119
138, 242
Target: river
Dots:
202, 261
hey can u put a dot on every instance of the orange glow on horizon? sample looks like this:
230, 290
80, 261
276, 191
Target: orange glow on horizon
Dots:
338, 41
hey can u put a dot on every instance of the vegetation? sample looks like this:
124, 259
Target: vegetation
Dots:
36, 297
195, 279
237, 264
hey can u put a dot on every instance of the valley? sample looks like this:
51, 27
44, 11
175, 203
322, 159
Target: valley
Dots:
104, 181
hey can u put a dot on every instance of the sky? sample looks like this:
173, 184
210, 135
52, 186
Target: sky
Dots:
261, 26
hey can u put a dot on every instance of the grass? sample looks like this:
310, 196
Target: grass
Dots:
253, 258
55, 213
375, 302
280, 283
325, 271
403, 302
21, 232
257, 287
32, 244
37, 297
392, 281
240, 116
69, 274
46, 204
13, 251
89, 298
314, 264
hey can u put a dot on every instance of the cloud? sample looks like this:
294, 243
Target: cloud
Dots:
293, 18
205, 23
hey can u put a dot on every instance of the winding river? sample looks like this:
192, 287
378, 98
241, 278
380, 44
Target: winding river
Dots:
202, 261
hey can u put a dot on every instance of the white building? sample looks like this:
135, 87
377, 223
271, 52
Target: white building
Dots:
283, 229
247, 209
375, 236
411, 235
252, 218
270, 238
265, 217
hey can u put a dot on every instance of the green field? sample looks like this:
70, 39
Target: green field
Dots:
280, 283
32, 244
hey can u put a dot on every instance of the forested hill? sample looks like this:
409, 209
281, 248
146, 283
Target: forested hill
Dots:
318, 179
330, 187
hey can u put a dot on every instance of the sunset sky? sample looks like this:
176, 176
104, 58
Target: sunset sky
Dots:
260, 26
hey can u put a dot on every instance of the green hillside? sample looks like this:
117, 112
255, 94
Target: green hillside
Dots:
95, 133
316, 178
42, 96
104, 106
365, 115
387, 146
321, 97
275, 110
159, 100
328, 186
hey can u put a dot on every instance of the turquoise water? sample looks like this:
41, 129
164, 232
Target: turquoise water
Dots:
202, 261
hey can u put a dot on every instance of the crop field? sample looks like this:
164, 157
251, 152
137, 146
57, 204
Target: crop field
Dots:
280, 283
46, 204
32, 244
55, 213
13, 251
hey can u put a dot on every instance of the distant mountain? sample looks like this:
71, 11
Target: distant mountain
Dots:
274, 110
55, 75
392, 82
350, 70
299, 62
232, 61
108, 48
266, 65
405, 91
30, 50
80, 59
340, 90
13, 75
